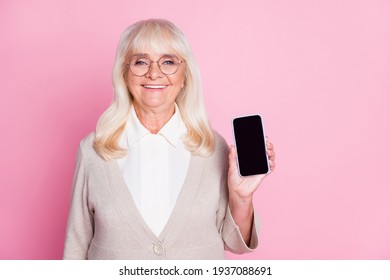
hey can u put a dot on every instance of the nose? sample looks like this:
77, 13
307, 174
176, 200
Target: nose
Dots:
154, 71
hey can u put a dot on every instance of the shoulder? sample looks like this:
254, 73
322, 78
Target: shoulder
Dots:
216, 164
86, 145
218, 158
221, 146
87, 141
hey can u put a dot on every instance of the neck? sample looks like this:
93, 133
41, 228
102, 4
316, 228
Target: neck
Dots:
153, 120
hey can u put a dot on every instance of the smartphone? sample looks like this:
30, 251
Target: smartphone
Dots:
250, 143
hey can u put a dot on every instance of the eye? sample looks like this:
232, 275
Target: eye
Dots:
166, 60
140, 61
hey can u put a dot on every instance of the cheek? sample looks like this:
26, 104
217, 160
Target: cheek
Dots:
129, 84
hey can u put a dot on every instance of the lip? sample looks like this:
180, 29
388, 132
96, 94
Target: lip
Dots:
154, 86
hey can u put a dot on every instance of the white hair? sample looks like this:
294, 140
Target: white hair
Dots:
160, 36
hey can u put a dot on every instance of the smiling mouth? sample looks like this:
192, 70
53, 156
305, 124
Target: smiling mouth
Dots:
154, 86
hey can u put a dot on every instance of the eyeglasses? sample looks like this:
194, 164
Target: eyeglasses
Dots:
140, 65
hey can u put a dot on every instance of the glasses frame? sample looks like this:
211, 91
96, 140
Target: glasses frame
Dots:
151, 62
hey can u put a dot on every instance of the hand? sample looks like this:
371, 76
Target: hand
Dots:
244, 187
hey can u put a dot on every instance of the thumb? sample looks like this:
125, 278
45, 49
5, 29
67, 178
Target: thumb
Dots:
232, 158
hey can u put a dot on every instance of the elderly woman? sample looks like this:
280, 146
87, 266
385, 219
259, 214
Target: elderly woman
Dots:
155, 181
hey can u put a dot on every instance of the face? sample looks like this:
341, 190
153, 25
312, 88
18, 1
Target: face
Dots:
155, 91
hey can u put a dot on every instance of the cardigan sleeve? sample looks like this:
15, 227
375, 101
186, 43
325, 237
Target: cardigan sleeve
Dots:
80, 225
234, 241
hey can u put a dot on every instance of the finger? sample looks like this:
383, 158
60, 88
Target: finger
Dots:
272, 165
269, 145
271, 154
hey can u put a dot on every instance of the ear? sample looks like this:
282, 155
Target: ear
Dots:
183, 85
126, 74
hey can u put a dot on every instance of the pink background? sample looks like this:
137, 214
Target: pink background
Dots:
318, 72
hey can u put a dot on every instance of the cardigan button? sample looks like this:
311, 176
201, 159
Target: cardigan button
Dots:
158, 249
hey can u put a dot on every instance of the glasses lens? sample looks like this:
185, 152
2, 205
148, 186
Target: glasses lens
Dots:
139, 66
169, 64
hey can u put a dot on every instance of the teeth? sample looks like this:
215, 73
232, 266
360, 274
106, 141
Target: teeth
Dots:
154, 87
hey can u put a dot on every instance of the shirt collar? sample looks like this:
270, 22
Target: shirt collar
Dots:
172, 131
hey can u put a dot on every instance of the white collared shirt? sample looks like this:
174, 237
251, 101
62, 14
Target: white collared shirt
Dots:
155, 167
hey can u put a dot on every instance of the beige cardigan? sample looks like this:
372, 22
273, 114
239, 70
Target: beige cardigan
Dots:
104, 222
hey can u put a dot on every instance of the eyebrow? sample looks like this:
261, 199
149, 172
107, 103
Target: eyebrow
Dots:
145, 54
138, 54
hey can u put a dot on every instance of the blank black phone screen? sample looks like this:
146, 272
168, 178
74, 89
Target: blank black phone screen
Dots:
251, 149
